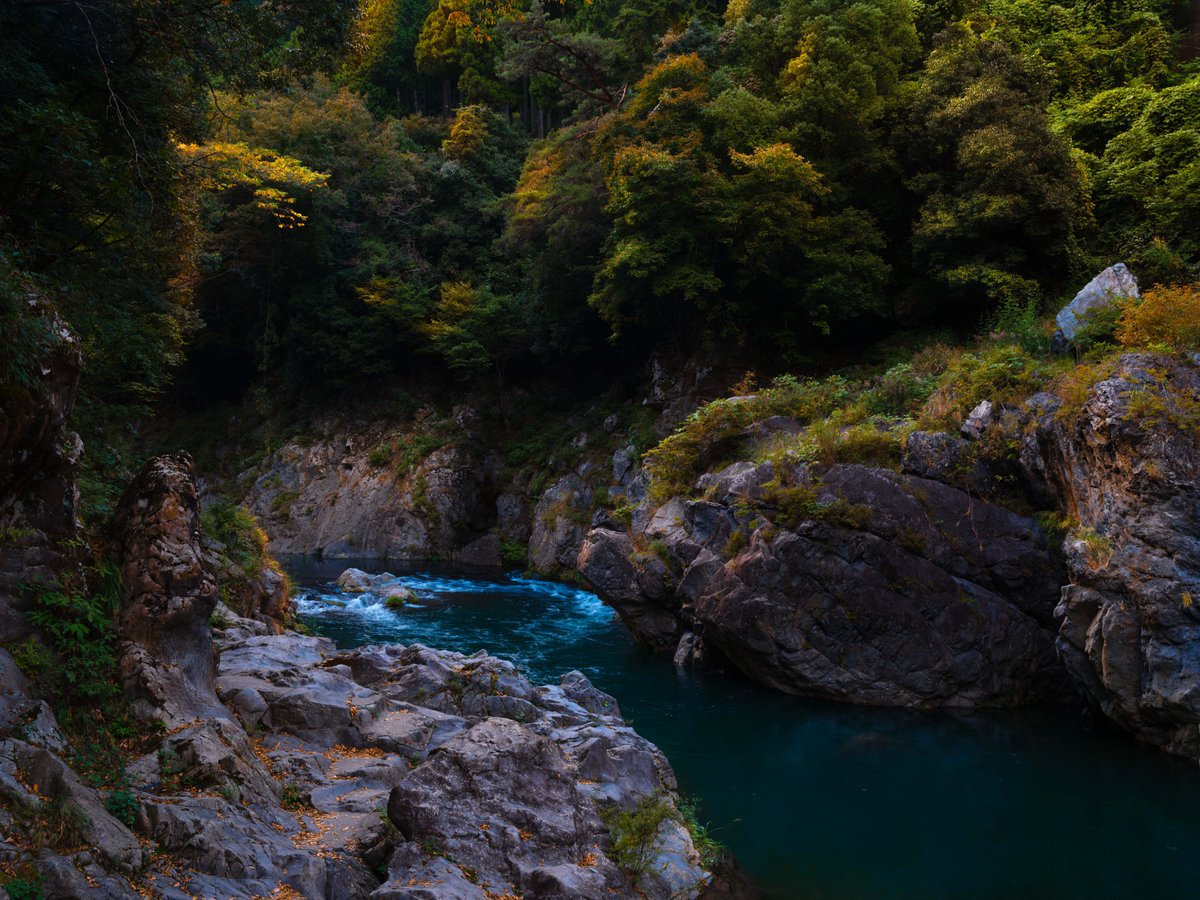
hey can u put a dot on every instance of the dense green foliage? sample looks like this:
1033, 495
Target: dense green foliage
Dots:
305, 198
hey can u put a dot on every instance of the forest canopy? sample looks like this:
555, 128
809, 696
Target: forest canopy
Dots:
301, 197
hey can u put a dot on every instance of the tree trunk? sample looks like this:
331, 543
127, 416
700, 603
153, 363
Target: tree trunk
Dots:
1191, 40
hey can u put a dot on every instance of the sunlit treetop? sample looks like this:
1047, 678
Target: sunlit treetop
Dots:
271, 177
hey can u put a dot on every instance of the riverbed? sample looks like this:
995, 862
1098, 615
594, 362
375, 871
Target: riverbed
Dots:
821, 800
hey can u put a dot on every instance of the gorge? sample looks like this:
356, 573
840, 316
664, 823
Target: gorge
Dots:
495, 449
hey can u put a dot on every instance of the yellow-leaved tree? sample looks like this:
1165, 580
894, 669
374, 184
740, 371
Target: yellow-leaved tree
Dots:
270, 179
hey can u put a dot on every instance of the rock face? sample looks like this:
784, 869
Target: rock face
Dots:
39, 503
892, 590
336, 499
558, 525
1126, 465
1110, 285
258, 590
165, 653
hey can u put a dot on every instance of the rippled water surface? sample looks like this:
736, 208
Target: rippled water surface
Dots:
820, 800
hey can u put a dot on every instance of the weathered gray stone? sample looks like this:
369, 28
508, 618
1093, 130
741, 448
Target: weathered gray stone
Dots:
1110, 285
911, 592
979, 420
56, 782
608, 563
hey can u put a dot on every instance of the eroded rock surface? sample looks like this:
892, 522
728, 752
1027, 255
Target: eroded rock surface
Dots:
1126, 466
895, 590
293, 769
167, 596
336, 498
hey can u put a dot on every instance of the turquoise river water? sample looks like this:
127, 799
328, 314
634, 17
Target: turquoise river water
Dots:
825, 801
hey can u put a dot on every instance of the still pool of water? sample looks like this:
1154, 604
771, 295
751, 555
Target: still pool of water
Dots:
819, 800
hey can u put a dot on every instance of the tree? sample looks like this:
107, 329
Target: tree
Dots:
1147, 176
475, 330
580, 62
999, 193
380, 58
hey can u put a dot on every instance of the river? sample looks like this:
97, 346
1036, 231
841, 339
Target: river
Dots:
820, 800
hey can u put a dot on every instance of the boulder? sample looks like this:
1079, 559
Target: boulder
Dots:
386, 586
355, 581
608, 563
1102, 291
165, 649
934, 455
979, 420
893, 590
519, 822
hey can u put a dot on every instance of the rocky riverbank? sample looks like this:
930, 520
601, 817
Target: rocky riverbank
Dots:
1040, 547
910, 588
287, 768
236, 758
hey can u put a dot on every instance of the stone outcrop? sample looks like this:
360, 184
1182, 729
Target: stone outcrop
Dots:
167, 596
39, 502
890, 589
336, 498
1125, 466
907, 588
293, 769
255, 590
558, 522
1101, 292
370, 772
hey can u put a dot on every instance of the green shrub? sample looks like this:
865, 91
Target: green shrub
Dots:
633, 833
901, 390
292, 796
235, 527
31, 657
1020, 322
78, 622
1156, 408
678, 460
623, 515
1003, 373
416, 449
123, 805
381, 455
1097, 333
710, 849
867, 443
24, 889
737, 542
514, 553
1099, 547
